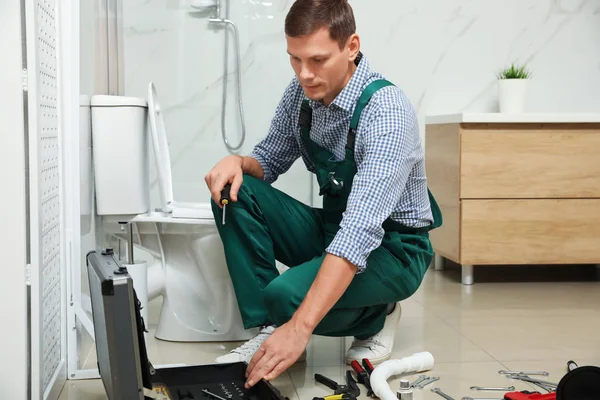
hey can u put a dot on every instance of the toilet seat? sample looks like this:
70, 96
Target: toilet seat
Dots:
176, 209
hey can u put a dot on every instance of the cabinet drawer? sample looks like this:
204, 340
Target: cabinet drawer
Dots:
530, 161
552, 231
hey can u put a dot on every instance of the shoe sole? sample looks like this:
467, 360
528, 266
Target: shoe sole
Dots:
301, 359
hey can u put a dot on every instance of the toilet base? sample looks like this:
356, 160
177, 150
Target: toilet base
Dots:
170, 328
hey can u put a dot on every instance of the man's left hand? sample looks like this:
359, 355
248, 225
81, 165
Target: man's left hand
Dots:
281, 350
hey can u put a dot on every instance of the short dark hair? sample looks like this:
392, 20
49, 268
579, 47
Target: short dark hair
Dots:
307, 16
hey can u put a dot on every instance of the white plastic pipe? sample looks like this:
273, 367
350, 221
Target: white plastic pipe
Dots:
418, 362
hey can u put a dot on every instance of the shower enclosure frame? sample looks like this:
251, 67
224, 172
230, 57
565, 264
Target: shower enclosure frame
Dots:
108, 79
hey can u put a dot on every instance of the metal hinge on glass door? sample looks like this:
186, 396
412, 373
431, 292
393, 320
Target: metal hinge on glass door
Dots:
24, 80
28, 275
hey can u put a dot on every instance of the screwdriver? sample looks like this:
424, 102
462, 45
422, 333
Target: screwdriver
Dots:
225, 199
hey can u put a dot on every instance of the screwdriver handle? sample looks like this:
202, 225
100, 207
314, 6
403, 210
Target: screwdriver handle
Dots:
225, 199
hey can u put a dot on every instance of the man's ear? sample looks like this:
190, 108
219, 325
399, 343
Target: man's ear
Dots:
353, 45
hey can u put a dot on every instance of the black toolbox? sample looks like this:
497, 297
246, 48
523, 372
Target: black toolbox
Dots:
123, 363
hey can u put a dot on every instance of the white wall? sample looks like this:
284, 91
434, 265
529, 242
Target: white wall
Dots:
443, 53
13, 341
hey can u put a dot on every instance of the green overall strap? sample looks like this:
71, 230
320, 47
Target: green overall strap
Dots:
364, 99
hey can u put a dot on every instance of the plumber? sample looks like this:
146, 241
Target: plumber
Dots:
353, 260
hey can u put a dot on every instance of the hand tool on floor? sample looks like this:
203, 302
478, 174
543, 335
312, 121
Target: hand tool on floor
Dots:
504, 372
444, 395
336, 397
548, 386
427, 381
225, 199
418, 380
350, 388
362, 377
367, 366
528, 395
501, 389
481, 398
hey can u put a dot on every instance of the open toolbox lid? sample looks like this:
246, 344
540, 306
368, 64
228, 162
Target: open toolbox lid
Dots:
118, 328
123, 362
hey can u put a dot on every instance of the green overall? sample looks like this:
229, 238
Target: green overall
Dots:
266, 224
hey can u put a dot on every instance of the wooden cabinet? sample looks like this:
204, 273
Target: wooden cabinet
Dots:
525, 191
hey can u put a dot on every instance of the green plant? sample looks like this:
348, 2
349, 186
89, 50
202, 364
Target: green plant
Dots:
514, 72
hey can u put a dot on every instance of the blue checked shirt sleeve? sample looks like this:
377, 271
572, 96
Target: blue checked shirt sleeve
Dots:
279, 149
389, 141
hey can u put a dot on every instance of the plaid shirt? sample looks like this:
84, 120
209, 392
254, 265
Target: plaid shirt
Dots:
390, 181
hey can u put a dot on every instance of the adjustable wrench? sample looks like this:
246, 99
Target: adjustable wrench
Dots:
444, 395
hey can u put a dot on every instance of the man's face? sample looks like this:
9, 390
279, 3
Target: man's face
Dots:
322, 68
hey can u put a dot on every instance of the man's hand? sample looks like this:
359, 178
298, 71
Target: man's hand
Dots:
228, 170
280, 351
286, 343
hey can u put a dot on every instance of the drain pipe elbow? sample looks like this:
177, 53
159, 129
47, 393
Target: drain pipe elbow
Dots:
418, 362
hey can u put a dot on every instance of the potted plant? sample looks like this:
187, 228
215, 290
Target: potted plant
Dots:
512, 88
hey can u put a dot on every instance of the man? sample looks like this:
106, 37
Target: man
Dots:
368, 248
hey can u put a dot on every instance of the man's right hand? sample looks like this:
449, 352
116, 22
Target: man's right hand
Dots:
228, 170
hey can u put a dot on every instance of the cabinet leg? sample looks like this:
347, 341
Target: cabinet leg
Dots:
438, 262
467, 274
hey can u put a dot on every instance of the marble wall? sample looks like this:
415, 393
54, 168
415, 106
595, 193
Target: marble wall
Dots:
443, 53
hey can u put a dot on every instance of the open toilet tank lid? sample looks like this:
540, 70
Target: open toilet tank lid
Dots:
161, 149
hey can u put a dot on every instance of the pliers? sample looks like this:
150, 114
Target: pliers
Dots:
362, 375
350, 389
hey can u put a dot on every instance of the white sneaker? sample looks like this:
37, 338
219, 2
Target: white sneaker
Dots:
246, 351
379, 347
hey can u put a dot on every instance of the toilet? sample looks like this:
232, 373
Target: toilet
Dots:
188, 267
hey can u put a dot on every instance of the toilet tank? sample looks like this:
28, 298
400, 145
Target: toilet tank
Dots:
120, 154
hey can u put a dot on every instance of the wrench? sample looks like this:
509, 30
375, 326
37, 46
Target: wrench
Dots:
481, 398
504, 389
418, 380
547, 386
428, 381
504, 372
444, 395
532, 380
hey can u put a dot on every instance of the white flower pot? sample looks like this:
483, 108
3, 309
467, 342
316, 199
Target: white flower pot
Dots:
512, 95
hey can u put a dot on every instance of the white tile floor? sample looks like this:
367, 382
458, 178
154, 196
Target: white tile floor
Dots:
512, 318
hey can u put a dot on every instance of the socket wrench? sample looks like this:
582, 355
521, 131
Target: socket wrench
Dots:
444, 395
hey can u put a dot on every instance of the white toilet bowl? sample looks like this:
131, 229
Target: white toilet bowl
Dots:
189, 271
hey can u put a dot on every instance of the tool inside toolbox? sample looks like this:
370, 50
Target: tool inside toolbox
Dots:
222, 380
